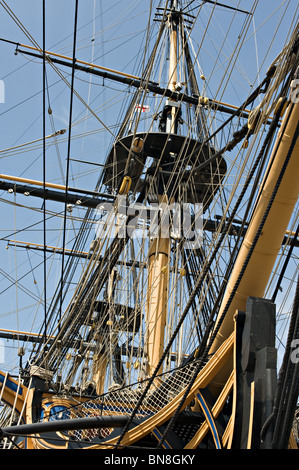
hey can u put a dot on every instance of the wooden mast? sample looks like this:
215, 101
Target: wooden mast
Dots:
159, 252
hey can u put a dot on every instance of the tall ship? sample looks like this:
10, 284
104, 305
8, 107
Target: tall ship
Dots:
149, 225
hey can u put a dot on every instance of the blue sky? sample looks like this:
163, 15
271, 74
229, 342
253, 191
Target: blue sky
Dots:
110, 33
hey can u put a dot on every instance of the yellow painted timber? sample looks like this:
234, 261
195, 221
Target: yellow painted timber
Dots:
156, 311
94, 66
31, 181
227, 435
292, 442
216, 409
12, 393
250, 424
157, 296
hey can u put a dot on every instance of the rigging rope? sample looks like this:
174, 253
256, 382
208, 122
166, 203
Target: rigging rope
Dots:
198, 286
204, 347
68, 150
252, 247
44, 170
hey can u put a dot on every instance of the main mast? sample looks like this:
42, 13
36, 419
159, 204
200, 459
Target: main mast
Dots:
159, 252
160, 166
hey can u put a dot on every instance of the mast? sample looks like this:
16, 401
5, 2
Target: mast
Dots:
173, 58
159, 252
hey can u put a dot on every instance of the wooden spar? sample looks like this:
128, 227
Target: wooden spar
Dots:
173, 68
51, 185
262, 259
156, 314
14, 334
31, 181
173, 57
54, 249
138, 83
95, 66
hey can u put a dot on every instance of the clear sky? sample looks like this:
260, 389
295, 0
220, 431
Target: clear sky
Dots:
110, 33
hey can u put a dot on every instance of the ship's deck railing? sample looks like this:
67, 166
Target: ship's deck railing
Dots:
122, 401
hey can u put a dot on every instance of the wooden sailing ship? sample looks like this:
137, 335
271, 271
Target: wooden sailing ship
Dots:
168, 339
